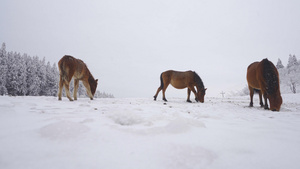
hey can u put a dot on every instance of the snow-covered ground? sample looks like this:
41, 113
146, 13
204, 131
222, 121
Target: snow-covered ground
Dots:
127, 133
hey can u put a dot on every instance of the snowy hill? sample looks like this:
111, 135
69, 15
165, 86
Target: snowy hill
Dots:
41, 132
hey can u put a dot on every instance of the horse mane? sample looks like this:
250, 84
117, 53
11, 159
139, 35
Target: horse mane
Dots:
270, 75
198, 81
91, 77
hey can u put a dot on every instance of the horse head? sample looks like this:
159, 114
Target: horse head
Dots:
93, 84
275, 102
201, 93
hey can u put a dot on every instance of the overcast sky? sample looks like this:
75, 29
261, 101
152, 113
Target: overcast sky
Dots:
128, 43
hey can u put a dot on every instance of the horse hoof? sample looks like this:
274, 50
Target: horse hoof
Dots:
189, 101
165, 100
154, 98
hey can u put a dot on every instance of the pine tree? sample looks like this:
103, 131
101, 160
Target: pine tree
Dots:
292, 61
41, 73
3, 69
55, 77
21, 75
279, 64
293, 70
33, 81
51, 80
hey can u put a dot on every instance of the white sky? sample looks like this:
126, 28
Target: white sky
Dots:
127, 44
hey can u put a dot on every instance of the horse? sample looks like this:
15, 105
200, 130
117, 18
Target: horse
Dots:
263, 76
181, 80
70, 67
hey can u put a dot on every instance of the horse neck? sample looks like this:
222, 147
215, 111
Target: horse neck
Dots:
199, 87
199, 82
91, 77
271, 79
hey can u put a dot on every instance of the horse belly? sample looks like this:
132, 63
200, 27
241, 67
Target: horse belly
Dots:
77, 75
178, 84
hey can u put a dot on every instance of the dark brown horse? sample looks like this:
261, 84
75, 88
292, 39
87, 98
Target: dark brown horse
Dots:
264, 77
70, 67
181, 80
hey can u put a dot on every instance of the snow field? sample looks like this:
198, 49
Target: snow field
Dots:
41, 132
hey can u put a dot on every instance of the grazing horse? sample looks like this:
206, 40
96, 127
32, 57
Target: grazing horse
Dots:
181, 80
70, 67
263, 76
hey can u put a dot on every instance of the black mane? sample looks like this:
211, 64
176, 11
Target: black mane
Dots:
198, 81
270, 76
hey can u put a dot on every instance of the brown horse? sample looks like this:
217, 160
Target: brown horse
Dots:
70, 67
264, 77
181, 80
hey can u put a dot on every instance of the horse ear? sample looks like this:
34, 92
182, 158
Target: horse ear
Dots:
97, 80
205, 88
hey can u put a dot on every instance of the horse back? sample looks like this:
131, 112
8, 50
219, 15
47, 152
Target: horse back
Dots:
70, 66
178, 79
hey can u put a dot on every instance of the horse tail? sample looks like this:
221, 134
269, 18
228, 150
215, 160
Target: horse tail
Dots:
161, 81
62, 71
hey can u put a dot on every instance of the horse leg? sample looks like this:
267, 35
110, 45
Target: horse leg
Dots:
188, 95
158, 90
266, 101
251, 90
194, 91
164, 91
67, 84
260, 100
76, 85
61, 85
88, 89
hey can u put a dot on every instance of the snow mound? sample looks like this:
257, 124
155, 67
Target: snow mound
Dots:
63, 130
126, 118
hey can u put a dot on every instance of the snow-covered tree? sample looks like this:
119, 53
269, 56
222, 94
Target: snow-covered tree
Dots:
51, 84
3, 69
99, 94
33, 81
41, 72
292, 61
21, 75
289, 76
279, 64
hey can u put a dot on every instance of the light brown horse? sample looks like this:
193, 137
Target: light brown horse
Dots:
264, 77
181, 80
70, 67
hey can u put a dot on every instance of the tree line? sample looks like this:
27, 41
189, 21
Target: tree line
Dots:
23, 75
289, 74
